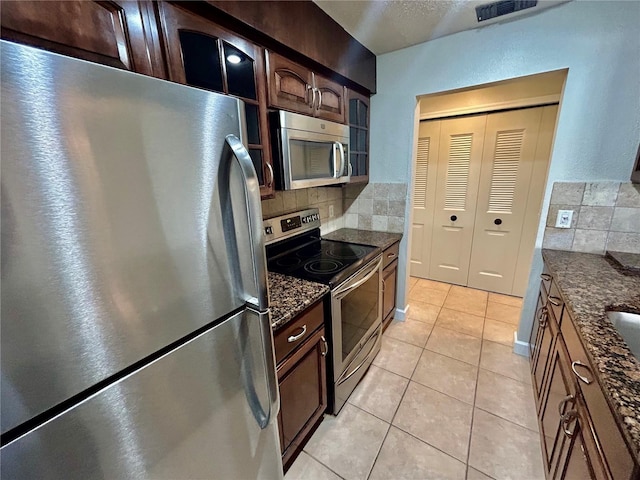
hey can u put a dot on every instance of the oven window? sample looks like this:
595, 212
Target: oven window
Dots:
311, 159
359, 311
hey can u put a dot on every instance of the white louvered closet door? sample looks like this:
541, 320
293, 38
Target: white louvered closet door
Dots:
460, 152
424, 195
507, 164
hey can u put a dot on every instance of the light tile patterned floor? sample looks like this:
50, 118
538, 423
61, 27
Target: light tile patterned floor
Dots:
446, 398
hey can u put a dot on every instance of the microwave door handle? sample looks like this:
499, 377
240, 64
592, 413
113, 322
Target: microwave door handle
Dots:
338, 170
234, 149
342, 159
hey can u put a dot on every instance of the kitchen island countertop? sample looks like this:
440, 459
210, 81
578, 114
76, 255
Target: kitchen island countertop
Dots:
591, 285
289, 296
382, 240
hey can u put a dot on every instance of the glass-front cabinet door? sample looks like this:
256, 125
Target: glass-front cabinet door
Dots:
359, 136
202, 54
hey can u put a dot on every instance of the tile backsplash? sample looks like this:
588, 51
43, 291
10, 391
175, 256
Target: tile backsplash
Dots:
319, 197
375, 206
606, 217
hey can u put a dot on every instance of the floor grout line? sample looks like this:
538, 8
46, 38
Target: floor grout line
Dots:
475, 393
409, 379
325, 466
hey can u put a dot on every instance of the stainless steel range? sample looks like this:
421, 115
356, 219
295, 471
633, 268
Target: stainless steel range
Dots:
353, 272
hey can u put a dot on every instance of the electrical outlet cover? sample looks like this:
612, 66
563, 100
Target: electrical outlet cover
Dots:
330, 211
564, 218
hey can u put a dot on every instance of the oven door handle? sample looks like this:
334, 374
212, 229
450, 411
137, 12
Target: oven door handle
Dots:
344, 291
346, 376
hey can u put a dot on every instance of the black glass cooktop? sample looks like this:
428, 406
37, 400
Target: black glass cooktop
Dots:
323, 261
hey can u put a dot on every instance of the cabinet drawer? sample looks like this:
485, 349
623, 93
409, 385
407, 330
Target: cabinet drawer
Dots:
297, 331
390, 254
608, 436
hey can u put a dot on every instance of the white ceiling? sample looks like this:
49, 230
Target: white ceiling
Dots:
386, 25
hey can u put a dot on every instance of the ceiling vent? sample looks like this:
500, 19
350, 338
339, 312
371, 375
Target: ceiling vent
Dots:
497, 9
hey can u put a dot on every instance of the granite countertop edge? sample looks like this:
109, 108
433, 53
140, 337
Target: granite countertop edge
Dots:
590, 286
374, 238
289, 296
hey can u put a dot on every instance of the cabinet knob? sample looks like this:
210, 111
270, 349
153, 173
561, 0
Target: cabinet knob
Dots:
325, 348
566, 419
498, 221
295, 338
563, 402
271, 178
555, 301
581, 377
453, 218
312, 102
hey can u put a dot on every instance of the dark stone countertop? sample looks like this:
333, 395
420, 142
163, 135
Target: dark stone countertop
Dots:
290, 296
364, 237
591, 285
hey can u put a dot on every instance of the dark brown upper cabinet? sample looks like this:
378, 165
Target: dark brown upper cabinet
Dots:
295, 87
359, 136
120, 34
202, 54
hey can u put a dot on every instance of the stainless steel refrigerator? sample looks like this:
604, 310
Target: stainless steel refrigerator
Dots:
136, 340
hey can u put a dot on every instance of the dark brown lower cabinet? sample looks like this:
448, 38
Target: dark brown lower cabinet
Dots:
580, 437
302, 377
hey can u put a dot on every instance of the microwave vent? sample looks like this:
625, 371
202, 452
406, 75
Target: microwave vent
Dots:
503, 7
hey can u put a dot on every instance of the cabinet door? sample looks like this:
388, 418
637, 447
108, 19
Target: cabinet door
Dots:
547, 331
579, 459
205, 55
121, 34
290, 85
330, 100
389, 278
303, 393
358, 136
558, 398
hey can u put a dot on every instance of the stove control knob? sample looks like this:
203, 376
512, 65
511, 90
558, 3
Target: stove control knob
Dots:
304, 219
268, 231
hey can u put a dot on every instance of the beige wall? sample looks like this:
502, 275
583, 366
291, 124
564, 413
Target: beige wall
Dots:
606, 217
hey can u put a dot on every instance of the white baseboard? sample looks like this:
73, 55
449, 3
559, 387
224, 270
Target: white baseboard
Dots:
401, 314
519, 347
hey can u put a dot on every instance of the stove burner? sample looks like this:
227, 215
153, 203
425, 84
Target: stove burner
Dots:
288, 262
346, 252
323, 266
309, 251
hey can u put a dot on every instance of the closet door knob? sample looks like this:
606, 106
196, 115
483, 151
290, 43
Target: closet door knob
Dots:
497, 221
453, 218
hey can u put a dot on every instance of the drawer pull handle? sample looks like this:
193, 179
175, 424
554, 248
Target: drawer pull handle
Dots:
295, 338
325, 350
545, 276
566, 419
391, 255
563, 402
581, 377
543, 317
555, 301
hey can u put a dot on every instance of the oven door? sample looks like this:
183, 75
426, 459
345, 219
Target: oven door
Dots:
356, 313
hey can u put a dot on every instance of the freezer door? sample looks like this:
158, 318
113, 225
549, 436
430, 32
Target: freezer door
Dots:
113, 235
194, 413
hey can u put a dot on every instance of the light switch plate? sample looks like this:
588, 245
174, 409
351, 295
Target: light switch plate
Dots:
331, 213
564, 218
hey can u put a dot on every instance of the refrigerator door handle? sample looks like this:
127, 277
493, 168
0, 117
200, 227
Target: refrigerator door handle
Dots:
235, 149
262, 415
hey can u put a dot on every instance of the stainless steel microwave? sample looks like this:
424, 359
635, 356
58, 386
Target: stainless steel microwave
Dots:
308, 151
